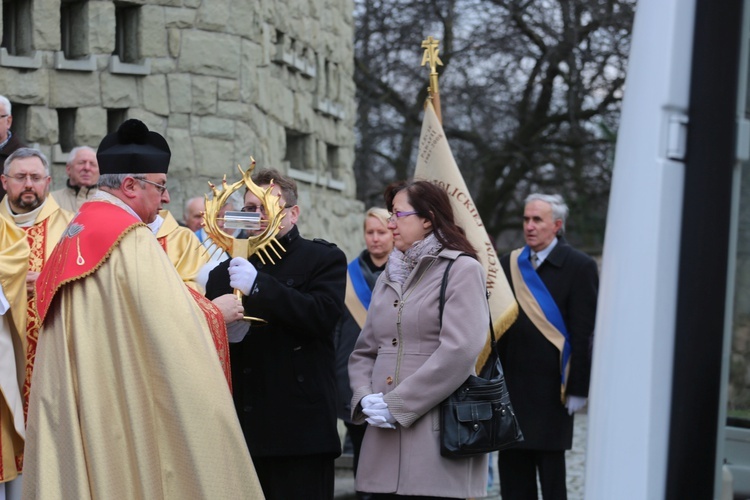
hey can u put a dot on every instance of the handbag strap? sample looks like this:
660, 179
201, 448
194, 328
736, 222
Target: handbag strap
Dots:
444, 285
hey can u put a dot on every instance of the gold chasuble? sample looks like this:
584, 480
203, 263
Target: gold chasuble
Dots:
129, 399
188, 256
42, 236
14, 259
183, 248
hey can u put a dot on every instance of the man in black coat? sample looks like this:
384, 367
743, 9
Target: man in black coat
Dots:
546, 353
283, 372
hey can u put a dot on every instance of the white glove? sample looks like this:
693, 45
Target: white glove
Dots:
380, 417
385, 413
373, 400
574, 403
379, 422
242, 275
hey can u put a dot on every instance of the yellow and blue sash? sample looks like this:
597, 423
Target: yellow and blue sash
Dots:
358, 293
540, 307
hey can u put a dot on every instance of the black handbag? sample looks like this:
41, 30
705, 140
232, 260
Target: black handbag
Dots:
477, 417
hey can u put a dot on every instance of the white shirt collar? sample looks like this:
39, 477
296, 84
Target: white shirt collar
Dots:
541, 255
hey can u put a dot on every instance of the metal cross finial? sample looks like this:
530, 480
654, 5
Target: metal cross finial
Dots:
430, 47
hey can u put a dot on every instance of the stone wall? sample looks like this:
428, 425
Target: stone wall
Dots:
222, 80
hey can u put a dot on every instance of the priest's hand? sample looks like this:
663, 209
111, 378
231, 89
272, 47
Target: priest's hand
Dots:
31, 277
242, 275
230, 307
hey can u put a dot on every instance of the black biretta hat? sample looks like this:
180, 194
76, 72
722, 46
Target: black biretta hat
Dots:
133, 149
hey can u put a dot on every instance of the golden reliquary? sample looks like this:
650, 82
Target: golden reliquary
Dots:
261, 232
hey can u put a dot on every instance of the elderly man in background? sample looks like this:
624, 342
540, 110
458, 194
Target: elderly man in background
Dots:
83, 174
28, 205
129, 397
8, 141
193, 216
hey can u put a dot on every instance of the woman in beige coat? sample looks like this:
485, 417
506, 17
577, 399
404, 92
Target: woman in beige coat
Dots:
404, 363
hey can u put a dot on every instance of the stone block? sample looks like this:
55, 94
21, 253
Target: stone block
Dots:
245, 19
119, 91
27, 87
229, 89
252, 57
179, 17
152, 36
155, 95
304, 115
101, 27
281, 103
174, 37
73, 89
234, 110
46, 27
217, 128
246, 144
192, 4
179, 120
180, 93
204, 93
162, 65
213, 15
180, 143
207, 53
91, 126
214, 157
42, 125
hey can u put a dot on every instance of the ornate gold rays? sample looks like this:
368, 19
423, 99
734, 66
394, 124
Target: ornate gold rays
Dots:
264, 243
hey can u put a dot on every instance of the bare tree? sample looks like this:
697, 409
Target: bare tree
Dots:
530, 93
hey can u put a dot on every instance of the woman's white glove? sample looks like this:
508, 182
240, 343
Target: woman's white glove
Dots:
574, 403
377, 411
242, 275
373, 399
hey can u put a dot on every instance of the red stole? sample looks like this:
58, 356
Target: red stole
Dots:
84, 247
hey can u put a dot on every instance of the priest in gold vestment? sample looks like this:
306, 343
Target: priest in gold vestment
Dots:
128, 398
182, 246
14, 258
28, 204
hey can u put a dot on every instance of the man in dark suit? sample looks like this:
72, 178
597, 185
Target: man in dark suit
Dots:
546, 353
283, 372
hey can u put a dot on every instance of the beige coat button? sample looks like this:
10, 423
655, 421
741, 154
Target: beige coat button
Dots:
389, 380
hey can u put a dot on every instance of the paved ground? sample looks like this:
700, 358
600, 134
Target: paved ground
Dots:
575, 459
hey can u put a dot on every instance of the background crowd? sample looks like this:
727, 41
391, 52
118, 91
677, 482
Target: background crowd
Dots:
126, 364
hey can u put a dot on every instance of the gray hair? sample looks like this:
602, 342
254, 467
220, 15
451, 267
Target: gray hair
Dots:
559, 208
191, 200
74, 152
4, 102
113, 181
25, 153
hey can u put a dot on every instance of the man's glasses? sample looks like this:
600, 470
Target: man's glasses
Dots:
160, 187
258, 208
395, 216
21, 178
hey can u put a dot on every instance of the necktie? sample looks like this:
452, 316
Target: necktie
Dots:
534, 260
